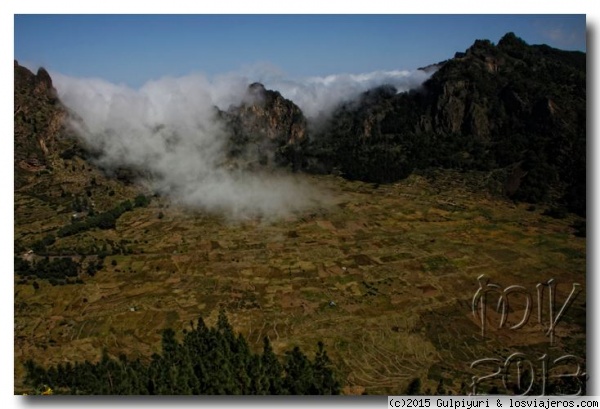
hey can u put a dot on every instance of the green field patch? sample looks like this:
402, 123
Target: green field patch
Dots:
362, 260
572, 254
312, 294
503, 255
394, 257
346, 278
438, 265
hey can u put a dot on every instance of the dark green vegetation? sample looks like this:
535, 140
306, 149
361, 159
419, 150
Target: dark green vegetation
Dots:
64, 267
104, 220
208, 361
57, 271
514, 110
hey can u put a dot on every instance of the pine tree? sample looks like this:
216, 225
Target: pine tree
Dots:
259, 384
440, 390
414, 387
299, 375
325, 382
272, 369
208, 361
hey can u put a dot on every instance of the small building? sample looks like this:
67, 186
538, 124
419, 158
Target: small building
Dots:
28, 256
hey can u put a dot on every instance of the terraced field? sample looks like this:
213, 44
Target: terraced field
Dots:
383, 275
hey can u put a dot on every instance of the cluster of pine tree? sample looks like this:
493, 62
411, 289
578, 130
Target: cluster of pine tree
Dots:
105, 220
55, 270
208, 361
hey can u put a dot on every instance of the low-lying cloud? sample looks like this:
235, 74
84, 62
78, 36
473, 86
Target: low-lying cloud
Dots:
319, 96
169, 129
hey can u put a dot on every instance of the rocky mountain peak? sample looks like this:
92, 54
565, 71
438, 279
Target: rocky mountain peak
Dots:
265, 126
257, 88
511, 41
38, 118
43, 78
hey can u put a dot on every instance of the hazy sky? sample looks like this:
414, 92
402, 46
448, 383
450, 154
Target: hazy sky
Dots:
132, 49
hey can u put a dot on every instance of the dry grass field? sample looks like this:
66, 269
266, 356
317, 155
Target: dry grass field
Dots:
383, 275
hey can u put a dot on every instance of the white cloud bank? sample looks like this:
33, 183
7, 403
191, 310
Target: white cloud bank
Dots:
318, 96
169, 129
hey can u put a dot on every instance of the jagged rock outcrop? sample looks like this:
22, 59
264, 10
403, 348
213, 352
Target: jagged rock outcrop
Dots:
38, 119
265, 129
473, 94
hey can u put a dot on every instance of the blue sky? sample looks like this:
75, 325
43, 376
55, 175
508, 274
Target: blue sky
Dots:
132, 49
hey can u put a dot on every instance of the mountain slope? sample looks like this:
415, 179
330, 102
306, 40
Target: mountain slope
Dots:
511, 107
38, 118
56, 180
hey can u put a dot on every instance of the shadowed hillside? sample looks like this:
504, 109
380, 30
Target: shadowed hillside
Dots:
514, 110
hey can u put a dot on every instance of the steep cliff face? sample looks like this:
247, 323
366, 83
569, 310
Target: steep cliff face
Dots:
265, 129
525, 105
38, 119
489, 88
510, 106
50, 162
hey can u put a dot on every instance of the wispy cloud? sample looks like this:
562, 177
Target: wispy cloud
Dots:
318, 96
169, 128
561, 35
